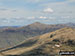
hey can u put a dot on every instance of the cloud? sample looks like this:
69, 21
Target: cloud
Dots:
48, 10
3, 9
14, 13
32, 17
32, 1
71, 0
24, 10
42, 17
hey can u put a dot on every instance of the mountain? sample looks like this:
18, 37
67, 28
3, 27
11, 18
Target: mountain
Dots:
9, 26
48, 44
12, 36
36, 28
71, 24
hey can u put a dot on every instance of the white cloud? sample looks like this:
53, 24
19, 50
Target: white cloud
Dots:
48, 10
32, 17
18, 14
42, 17
13, 13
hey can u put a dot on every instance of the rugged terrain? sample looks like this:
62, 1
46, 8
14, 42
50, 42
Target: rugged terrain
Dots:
10, 36
46, 44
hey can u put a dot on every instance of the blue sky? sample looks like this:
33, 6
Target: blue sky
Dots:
24, 12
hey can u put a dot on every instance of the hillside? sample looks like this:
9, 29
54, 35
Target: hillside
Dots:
10, 36
46, 44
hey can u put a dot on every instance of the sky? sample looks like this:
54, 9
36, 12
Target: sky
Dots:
24, 12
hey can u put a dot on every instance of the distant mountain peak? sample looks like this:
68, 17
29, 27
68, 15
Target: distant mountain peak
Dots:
37, 23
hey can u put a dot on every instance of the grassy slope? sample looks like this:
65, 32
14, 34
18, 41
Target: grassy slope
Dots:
12, 36
45, 44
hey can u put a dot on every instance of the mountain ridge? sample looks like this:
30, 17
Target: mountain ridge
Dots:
47, 44
12, 36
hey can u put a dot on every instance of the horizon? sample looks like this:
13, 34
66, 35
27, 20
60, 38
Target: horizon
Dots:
34, 23
25, 12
